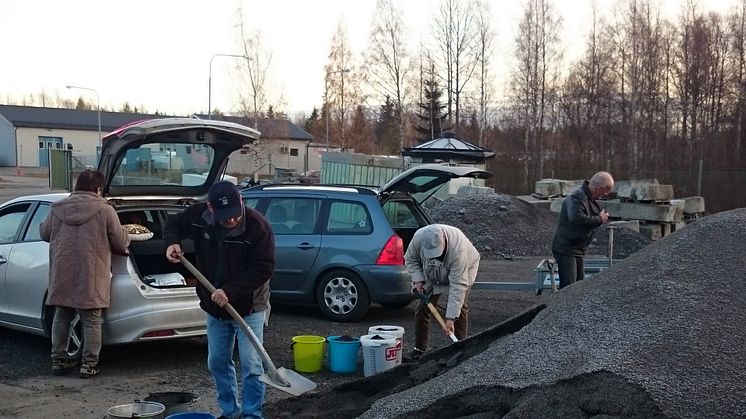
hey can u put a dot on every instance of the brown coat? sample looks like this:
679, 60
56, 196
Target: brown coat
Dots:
81, 230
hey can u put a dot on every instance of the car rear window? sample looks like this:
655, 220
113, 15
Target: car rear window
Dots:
346, 217
165, 164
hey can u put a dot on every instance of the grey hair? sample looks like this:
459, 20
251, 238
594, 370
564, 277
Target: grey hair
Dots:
601, 179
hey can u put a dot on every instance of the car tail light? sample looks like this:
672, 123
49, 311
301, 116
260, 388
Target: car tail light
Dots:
392, 253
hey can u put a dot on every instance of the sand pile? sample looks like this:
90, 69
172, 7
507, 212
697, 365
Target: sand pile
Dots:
503, 226
662, 334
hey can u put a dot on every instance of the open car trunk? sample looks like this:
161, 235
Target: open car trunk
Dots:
149, 256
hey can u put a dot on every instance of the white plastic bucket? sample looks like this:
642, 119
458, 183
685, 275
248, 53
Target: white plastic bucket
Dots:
391, 330
379, 353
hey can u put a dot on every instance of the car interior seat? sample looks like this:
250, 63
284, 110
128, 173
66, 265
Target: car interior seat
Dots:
277, 217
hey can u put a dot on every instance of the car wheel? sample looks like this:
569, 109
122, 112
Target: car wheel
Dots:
342, 296
74, 340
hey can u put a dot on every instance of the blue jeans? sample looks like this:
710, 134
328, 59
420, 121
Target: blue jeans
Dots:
221, 339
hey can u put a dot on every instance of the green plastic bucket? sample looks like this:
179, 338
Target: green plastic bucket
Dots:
308, 352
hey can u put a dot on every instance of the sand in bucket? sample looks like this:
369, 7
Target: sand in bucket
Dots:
397, 331
343, 353
379, 353
308, 351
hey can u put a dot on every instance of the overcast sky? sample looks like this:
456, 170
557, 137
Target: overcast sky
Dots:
156, 53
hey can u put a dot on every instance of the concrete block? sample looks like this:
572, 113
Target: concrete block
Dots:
637, 211
633, 225
694, 205
553, 187
539, 203
556, 205
678, 225
653, 231
474, 190
651, 192
626, 188
665, 229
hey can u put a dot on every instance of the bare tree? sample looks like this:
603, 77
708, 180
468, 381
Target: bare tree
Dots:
535, 79
454, 33
387, 60
342, 81
484, 48
257, 68
737, 71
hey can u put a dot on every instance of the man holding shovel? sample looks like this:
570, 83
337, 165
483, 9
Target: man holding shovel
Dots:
235, 251
440, 258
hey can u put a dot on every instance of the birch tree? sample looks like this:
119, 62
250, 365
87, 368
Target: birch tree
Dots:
387, 59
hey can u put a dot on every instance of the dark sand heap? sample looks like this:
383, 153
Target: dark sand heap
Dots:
662, 334
503, 226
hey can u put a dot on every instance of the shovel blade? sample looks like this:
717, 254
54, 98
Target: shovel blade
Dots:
294, 384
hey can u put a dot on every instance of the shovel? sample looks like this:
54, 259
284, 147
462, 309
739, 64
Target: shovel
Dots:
283, 379
426, 300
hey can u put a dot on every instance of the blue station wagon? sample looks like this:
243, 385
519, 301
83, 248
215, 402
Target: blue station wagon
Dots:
342, 247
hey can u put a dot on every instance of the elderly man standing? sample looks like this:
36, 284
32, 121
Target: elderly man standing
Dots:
441, 258
580, 215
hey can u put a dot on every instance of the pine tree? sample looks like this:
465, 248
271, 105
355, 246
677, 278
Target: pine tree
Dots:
431, 115
387, 141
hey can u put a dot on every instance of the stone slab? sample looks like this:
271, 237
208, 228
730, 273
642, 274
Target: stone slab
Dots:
638, 211
539, 203
694, 205
651, 192
474, 190
556, 204
554, 187
653, 231
626, 188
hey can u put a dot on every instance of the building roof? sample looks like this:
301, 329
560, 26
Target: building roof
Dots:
280, 129
448, 147
75, 119
85, 120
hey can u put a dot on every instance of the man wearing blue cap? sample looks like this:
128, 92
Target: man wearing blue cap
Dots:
235, 251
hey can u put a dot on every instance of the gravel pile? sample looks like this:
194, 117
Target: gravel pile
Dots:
661, 334
503, 227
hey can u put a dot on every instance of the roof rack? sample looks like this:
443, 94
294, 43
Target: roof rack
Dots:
361, 189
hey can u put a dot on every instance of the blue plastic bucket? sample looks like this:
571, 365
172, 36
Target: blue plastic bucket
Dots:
343, 353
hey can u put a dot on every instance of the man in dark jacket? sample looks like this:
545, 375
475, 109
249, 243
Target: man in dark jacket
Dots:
235, 251
580, 215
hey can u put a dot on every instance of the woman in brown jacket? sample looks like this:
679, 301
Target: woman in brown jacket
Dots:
81, 230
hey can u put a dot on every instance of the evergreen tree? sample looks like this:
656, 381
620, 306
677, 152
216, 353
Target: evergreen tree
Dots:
386, 131
432, 120
270, 112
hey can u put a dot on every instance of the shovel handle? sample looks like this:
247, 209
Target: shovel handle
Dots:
272, 370
440, 320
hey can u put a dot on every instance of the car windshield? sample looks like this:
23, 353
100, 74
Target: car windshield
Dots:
165, 164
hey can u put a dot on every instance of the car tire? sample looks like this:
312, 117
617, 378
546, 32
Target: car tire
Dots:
342, 296
75, 340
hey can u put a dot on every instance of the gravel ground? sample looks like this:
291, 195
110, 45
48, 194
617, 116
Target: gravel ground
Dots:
660, 334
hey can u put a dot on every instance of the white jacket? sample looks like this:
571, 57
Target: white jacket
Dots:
456, 273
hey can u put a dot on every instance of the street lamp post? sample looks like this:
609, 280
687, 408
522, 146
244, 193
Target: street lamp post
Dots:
209, 80
98, 107
326, 101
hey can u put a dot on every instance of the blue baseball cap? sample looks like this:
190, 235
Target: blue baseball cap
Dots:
225, 201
